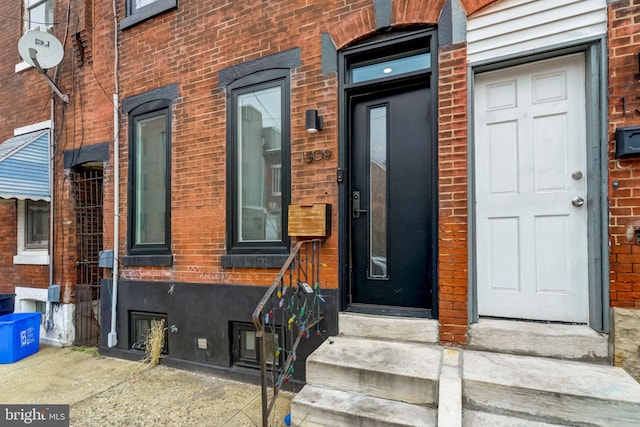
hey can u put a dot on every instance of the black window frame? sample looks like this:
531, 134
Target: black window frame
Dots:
237, 329
147, 110
257, 81
138, 343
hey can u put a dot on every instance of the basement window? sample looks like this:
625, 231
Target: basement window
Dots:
140, 323
246, 350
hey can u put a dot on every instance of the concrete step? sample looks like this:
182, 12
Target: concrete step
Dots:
388, 328
319, 406
406, 372
549, 390
482, 419
574, 342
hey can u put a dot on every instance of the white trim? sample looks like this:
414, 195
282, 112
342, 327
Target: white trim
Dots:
31, 258
32, 128
28, 256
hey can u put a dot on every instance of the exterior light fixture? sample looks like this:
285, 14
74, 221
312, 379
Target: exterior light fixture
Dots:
313, 121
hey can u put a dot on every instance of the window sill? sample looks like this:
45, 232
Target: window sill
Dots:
147, 260
147, 12
254, 261
31, 258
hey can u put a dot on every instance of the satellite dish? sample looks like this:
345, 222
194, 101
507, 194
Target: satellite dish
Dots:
48, 49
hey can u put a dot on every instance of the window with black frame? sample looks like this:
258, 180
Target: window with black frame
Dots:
149, 174
246, 346
258, 196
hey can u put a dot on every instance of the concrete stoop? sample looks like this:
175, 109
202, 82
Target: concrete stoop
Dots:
375, 382
364, 382
571, 342
548, 390
482, 419
320, 406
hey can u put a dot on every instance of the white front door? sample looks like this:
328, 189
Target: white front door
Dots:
530, 179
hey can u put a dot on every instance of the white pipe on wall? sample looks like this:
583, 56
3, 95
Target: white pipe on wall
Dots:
112, 338
48, 324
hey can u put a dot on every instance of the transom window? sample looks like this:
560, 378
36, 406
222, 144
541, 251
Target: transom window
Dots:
391, 67
39, 13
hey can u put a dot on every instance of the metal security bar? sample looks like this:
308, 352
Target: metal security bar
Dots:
87, 186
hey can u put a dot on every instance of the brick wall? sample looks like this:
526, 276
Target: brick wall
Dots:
86, 74
25, 97
452, 165
624, 45
188, 46
86, 120
10, 273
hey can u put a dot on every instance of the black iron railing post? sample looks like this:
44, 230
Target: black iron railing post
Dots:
291, 304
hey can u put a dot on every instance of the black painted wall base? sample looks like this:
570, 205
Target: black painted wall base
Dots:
198, 311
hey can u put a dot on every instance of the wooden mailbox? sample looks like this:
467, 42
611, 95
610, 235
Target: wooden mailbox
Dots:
313, 220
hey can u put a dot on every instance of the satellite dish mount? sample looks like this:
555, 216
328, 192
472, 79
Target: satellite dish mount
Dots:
42, 50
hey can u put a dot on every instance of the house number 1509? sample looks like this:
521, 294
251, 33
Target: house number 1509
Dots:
315, 155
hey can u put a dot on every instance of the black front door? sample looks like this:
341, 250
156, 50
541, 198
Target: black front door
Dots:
392, 198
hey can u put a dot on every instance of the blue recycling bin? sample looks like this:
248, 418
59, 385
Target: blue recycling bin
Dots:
19, 336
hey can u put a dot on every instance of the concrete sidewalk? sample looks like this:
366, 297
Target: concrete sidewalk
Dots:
103, 391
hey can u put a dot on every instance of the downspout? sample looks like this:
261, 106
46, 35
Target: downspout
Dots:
48, 324
112, 338
51, 198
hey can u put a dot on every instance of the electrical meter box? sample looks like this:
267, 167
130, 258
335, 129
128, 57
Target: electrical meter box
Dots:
54, 293
627, 141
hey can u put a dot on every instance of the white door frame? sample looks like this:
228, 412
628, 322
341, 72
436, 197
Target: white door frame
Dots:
597, 157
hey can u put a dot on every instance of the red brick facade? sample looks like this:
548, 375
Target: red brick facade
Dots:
188, 46
453, 218
624, 174
83, 122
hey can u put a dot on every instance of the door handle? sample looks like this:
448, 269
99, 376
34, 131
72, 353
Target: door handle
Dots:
355, 203
577, 201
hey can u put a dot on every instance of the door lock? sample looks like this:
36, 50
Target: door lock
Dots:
355, 203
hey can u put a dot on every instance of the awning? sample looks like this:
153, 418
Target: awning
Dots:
24, 167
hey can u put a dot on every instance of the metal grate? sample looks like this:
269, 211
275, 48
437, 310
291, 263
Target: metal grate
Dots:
88, 194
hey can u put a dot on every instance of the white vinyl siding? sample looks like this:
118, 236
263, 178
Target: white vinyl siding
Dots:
511, 26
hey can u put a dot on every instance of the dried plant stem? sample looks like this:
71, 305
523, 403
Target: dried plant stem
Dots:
154, 342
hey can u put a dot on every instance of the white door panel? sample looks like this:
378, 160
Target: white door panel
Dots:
531, 240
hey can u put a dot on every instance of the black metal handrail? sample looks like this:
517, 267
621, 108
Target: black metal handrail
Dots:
290, 307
